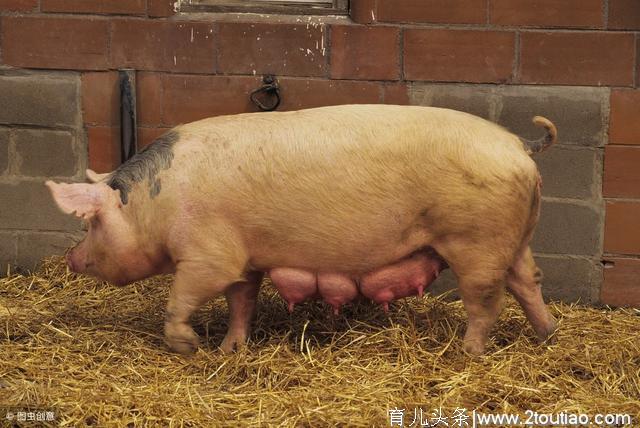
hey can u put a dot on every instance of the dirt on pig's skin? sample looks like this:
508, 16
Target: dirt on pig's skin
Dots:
345, 190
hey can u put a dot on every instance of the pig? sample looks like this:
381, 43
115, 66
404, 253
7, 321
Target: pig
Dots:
335, 202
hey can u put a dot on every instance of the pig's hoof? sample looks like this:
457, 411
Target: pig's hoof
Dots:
232, 343
546, 335
181, 338
473, 347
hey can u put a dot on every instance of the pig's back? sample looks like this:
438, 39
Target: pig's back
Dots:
348, 188
337, 130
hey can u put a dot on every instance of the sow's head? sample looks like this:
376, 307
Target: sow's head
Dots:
109, 250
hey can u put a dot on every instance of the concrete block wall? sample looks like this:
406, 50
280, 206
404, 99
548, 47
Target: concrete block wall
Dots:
574, 61
40, 137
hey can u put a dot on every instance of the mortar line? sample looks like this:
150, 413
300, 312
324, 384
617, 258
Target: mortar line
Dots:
573, 201
635, 61
215, 33
628, 146
80, 135
11, 154
30, 127
488, 14
516, 61
23, 232
621, 256
401, 52
327, 39
564, 256
621, 199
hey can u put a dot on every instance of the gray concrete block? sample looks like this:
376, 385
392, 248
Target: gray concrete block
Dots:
7, 251
579, 113
33, 247
567, 279
570, 279
40, 99
29, 205
571, 172
569, 228
4, 150
475, 99
44, 153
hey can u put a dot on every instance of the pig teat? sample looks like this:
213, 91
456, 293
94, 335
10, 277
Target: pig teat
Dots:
407, 277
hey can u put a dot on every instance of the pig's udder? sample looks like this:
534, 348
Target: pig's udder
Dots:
407, 277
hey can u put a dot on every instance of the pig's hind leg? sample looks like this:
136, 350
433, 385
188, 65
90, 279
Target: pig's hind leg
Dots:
241, 300
524, 282
482, 296
481, 276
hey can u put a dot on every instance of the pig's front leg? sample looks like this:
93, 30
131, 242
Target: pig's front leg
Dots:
194, 285
241, 299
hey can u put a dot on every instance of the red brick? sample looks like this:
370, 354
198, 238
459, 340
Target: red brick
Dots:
18, 5
104, 148
458, 55
149, 98
396, 93
160, 8
433, 11
621, 285
190, 97
370, 53
62, 43
624, 14
547, 13
281, 49
624, 126
622, 228
602, 59
147, 135
637, 60
100, 98
621, 172
163, 46
363, 11
307, 93
94, 6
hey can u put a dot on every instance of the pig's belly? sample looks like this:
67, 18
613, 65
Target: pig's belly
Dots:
407, 277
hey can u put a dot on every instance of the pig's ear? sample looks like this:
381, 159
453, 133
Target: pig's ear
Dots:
94, 177
85, 200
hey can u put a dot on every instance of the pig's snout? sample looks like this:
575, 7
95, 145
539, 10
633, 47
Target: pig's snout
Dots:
76, 261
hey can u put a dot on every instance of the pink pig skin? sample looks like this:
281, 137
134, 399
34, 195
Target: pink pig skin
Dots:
333, 202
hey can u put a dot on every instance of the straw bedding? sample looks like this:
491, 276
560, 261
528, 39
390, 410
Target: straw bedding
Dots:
94, 354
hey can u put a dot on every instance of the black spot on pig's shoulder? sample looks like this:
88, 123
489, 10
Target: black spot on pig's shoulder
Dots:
145, 165
154, 190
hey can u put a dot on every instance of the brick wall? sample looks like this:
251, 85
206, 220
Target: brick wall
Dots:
574, 61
